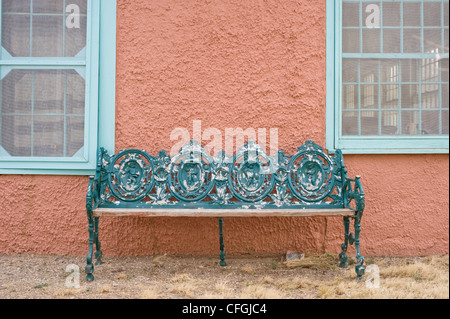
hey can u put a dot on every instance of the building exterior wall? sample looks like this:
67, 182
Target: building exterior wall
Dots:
228, 64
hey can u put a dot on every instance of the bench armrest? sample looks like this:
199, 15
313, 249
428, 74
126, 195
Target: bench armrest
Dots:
353, 194
95, 182
92, 194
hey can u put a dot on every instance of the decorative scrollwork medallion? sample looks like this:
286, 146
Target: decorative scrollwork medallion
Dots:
190, 173
311, 177
251, 177
131, 176
221, 174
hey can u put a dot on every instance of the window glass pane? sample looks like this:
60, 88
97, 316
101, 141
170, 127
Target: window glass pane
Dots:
369, 71
410, 70
432, 41
445, 122
42, 113
54, 32
430, 70
16, 34
48, 138
350, 123
49, 86
390, 96
389, 70
48, 6
350, 41
389, 123
75, 38
431, 13
48, 36
369, 96
446, 13
369, 123
371, 40
410, 96
430, 122
445, 97
350, 70
412, 41
350, 14
74, 135
16, 92
430, 96
446, 41
411, 14
350, 96
410, 122
391, 14
15, 6
16, 135
75, 94
391, 41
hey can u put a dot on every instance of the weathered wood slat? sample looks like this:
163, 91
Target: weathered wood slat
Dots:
220, 212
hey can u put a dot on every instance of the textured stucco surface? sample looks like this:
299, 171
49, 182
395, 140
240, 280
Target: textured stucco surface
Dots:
248, 64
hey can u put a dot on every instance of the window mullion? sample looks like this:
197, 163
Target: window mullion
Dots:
32, 112
31, 28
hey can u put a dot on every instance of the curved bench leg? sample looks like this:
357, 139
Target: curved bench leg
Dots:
89, 265
222, 246
359, 268
98, 251
343, 255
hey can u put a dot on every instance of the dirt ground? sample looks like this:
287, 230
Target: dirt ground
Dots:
249, 277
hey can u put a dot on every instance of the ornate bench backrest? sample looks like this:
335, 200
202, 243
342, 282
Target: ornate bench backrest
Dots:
193, 178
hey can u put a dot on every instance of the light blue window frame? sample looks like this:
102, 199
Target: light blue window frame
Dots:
100, 65
363, 144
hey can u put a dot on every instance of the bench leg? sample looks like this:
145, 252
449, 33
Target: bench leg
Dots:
359, 268
222, 246
343, 255
98, 251
89, 265
349, 239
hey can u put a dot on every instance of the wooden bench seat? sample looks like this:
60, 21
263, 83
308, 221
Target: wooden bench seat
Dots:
202, 212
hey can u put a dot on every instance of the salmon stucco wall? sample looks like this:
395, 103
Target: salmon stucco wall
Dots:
229, 64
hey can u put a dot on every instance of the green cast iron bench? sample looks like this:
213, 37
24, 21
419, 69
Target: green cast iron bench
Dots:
250, 183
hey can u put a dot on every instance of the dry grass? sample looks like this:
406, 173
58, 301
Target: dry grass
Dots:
171, 277
259, 291
325, 261
149, 293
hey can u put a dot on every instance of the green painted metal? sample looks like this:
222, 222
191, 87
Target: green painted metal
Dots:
250, 179
222, 246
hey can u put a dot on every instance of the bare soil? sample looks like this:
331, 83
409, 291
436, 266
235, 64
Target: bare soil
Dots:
244, 277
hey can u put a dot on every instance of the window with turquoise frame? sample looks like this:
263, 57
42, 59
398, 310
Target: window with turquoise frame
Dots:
57, 66
388, 76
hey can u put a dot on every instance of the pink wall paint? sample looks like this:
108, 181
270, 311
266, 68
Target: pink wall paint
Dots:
258, 64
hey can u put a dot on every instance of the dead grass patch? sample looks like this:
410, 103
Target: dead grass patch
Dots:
325, 261
164, 277
260, 291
